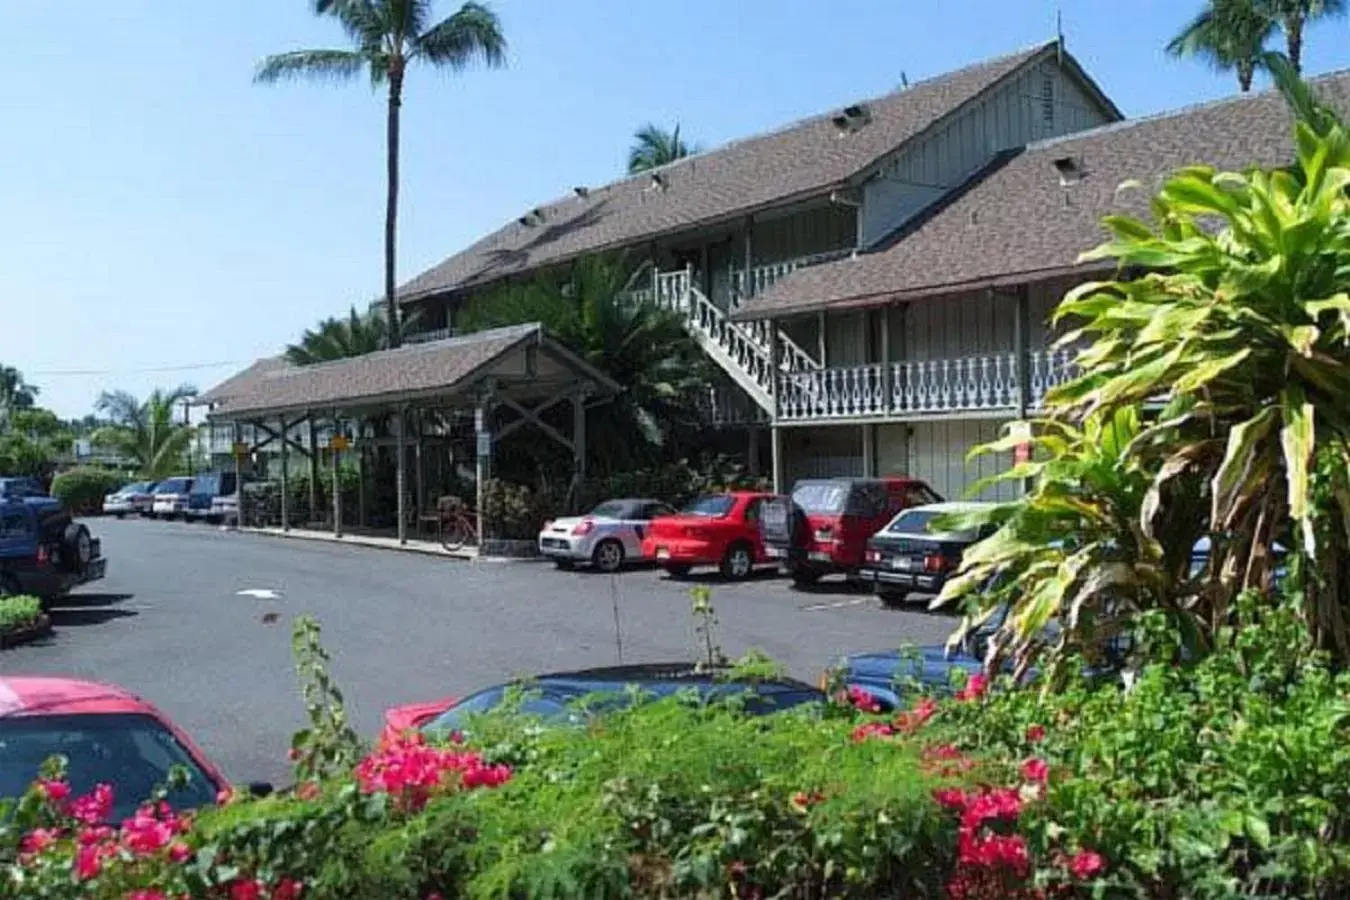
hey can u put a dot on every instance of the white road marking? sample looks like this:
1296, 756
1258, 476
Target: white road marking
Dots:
259, 593
837, 604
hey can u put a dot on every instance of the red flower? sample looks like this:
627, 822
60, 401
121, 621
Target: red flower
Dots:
1087, 864
910, 720
975, 688
863, 700
287, 889
871, 729
308, 790
148, 894
293, 754
88, 862
246, 889
94, 807
179, 852
1035, 734
411, 771
144, 833
37, 840
993, 804
951, 798
1035, 770
54, 791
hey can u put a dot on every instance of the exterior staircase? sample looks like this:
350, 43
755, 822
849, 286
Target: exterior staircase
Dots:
742, 349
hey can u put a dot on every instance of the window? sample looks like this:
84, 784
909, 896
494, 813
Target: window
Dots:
14, 524
752, 509
714, 506
920, 522
821, 496
652, 510
612, 509
920, 495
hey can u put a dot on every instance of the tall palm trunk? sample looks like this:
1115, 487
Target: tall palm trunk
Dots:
391, 203
1246, 71
1293, 30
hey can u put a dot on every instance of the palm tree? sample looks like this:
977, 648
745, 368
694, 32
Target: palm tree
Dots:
1230, 35
387, 36
653, 147
641, 346
146, 431
339, 338
1295, 15
15, 393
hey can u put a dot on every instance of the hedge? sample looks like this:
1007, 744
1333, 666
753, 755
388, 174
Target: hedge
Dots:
82, 490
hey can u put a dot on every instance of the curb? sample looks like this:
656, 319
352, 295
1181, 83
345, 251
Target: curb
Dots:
466, 555
41, 627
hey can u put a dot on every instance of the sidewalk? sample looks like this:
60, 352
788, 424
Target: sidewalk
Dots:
429, 548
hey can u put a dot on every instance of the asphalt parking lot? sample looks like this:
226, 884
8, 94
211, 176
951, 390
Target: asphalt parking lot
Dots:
181, 617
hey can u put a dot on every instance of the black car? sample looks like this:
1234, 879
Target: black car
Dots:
909, 556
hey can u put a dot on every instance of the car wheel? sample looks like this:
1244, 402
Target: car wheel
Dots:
564, 564
890, 597
803, 576
608, 556
77, 547
121, 515
738, 562
677, 570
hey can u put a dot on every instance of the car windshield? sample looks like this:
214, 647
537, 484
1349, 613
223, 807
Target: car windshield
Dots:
712, 505
172, 486
920, 522
19, 487
205, 484
821, 496
456, 717
132, 752
612, 509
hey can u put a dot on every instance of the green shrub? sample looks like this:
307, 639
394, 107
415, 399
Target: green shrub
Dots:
82, 490
18, 612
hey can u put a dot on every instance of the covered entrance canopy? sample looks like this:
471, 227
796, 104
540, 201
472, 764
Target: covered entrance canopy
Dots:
508, 378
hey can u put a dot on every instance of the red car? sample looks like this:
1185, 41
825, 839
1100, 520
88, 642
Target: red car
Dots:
823, 528
719, 530
107, 734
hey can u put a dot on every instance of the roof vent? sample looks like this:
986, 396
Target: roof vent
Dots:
659, 182
851, 118
532, 218
1070, 169
582, 191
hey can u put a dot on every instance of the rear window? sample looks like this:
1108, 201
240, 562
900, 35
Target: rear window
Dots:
919, 522
205, 484
713, 505
821, 496
174, 486
613, 509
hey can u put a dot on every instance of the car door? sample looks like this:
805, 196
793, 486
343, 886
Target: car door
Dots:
753, 509
636, 529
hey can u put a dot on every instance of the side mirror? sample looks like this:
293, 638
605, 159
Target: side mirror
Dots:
260, 788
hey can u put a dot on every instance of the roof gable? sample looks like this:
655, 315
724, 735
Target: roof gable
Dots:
801, 160
1018, 221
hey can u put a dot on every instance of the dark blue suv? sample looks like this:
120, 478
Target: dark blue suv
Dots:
42, 552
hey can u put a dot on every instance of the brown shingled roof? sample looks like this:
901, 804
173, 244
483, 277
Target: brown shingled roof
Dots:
429, 369
801, 160
240, 382
1019, 223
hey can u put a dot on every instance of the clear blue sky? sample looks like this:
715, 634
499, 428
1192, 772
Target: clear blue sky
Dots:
161, 211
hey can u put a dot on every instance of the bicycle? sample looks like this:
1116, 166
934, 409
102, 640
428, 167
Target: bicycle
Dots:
458, 526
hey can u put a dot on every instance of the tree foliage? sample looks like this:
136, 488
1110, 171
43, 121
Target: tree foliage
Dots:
149, 432
341, 338
654, 147
1228, 361
1232, 35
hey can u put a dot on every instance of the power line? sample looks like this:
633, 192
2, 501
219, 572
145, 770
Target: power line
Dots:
56, 373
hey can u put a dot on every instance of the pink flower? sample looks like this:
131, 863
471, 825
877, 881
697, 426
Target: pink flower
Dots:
1035, 734
951, 798
863, 700
871, 729
993, 804
308, 790
910, 720
88, 862
1087, 864
246, 889
287, 889
94, 807
975, 688
293, 754
411, 771
94, 834
994, 851
1035, 770
54, 791
179, 852
37, 840
145, 833
148, 894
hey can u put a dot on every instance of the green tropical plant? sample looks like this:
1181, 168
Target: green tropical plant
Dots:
19, 612
1230, 35
341, 338
81, 490
388, 36
1294, 16
639, 345
1237, 340
654, 147
148, 432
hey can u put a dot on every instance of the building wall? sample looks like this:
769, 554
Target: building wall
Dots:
824, 452
821, 229
1040, 102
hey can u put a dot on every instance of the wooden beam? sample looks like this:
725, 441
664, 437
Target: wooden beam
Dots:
272, 435
335, 456
313, 467
285, 480
401, 473
532, 417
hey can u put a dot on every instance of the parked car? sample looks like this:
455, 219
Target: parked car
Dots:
606, 537
206, 490
43, 552
172, 496
16, 487
135, 499
107, 735
822, 529
910, 555
553, 697
719, 530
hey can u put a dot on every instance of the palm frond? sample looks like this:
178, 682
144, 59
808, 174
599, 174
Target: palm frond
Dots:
335, 65
472, 34
654, 147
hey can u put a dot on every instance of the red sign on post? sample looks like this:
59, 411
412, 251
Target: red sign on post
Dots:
1022, 450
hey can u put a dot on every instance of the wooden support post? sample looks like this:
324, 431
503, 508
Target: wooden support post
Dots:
420, 506
887, 376
775, 373
1022, 350
820, 338
238, 477
336, 457
869, 450
313, 514
285, 478
579, 436
748, 289
360, 475
776, 435
401, 472
483, 466
752, 450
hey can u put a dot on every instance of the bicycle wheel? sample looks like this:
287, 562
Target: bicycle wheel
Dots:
458, 532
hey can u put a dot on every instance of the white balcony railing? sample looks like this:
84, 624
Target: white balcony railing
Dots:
969, 384
423, 337
766, 276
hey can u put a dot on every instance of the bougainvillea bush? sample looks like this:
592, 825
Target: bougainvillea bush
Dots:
1226, 778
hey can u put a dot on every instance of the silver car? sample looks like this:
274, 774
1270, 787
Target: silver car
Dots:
606, 537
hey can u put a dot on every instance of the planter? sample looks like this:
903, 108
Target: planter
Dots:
39, 627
